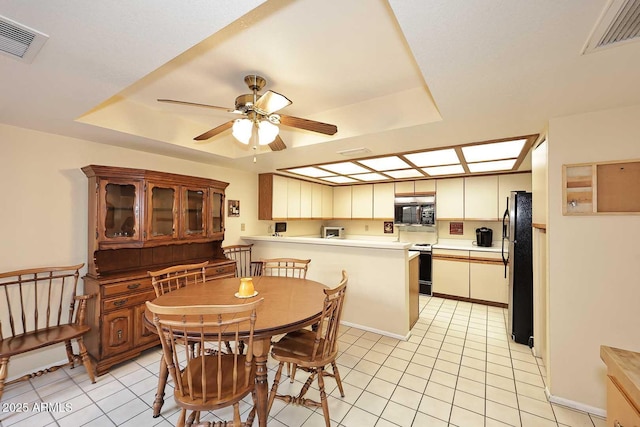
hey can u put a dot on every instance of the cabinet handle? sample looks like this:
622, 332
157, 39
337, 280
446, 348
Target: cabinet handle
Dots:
133, 286
219, 270
120, 302
616, 423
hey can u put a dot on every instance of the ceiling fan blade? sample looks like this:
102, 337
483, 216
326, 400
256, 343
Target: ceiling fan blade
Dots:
215, 131
277, 144
194, 104
270, 102
307, 124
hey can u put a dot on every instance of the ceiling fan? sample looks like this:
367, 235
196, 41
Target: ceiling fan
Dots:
260, 122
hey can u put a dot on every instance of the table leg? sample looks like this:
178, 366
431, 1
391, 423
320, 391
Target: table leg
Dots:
260, 352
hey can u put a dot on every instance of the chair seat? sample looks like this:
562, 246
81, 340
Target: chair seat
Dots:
297, 347
40, 338
227, 397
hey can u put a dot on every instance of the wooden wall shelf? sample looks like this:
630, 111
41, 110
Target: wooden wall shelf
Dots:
604, 188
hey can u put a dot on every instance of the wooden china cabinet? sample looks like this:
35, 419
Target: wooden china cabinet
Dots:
140, 221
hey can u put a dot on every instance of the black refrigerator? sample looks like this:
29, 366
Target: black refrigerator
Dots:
517, 233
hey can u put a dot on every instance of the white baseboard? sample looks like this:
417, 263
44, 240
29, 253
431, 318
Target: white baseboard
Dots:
575, 405
377, 331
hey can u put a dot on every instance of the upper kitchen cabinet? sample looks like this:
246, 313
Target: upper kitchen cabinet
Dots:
383, 195
272, 196
293, 198
509, 183
362, 201
139, 208
481, 198
404, 187
409, 188
281, 198
450, 199
342, 202
327, 202
316, 200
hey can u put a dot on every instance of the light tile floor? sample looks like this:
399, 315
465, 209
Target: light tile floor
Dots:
459, 368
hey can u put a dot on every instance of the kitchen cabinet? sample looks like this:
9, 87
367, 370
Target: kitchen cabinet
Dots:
282, 198
316, 201
141, 221
362, 201
450, 199
404, 187
383, 195
481, 198
487, 280
450, 272
342, 202
623, 386
509, 183
293, 198
327, 202
414, 290
425, 186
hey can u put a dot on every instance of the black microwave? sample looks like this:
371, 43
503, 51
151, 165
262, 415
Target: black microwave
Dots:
415, 210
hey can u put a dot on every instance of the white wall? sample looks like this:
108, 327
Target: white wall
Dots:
594, 268
43, 219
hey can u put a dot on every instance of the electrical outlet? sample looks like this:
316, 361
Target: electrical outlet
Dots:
242, 227
366, 227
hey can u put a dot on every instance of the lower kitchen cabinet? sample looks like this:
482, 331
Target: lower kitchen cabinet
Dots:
450, 272
414, 291
487, 280
623, 386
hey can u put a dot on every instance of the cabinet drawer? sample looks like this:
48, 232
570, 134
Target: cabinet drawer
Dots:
620, 411
129, 286
219, 271
127, 300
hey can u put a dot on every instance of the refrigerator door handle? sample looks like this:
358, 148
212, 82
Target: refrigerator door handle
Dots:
505, 235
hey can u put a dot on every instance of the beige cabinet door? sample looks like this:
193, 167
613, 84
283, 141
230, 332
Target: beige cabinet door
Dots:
450, 198
509, 183
293, 198
362, 201
327, 202
425, 186
481, 198
280, 192
404, 187
316, 200
305, 199
450, 272
487, 280
342, 202
383, 195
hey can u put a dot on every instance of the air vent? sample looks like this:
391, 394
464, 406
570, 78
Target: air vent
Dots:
18, 41
619, 23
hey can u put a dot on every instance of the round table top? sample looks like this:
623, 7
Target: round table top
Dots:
289, 303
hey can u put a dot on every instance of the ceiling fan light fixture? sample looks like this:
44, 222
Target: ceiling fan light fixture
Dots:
267, 132
242, 130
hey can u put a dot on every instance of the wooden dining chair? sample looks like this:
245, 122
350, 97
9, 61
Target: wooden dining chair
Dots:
176, 277
208, 381
241, 254
285, 267
312, 351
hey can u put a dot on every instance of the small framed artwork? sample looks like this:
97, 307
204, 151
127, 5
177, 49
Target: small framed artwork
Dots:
456, 228
234, 208
388, 226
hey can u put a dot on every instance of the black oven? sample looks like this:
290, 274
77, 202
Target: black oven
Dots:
424, 278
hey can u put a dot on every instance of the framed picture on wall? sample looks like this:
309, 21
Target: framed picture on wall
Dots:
234, 208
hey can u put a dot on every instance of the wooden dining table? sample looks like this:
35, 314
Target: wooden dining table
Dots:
289, 304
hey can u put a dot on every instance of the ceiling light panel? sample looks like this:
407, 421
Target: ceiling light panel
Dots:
406, 173
498, 165
385, 163
434, 158
339, 179
310, 171
370, 177
444, 170
345, 168
493, 151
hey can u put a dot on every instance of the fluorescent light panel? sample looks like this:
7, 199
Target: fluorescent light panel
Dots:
405, 173
444, 170
369, 177
339, 179
385, 163
434, 158
310, 171
498, 165
493, 151
344, 168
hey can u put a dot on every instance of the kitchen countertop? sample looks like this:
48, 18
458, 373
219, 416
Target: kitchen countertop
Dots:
358, 243
467, 245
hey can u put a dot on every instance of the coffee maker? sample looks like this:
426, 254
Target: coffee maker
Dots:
484, 237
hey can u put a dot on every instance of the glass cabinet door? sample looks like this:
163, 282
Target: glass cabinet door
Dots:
119, 206
216, 207
194, 220
162, 212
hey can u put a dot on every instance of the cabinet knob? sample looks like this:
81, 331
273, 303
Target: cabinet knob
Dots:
119, 334
120, 302
133, 286
616, 423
